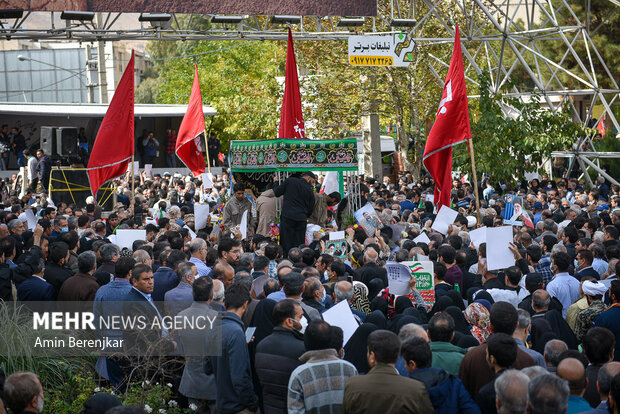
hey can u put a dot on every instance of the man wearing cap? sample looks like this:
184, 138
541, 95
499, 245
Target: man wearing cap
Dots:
593, 291
297, 206
538, 209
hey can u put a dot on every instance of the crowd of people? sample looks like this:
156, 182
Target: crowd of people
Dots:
539, 336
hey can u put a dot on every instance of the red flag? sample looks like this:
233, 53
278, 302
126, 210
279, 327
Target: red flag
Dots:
189, 148
114, 144
291, 118
451, 127
601, 126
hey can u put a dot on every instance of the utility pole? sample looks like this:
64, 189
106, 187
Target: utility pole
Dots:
91, 73
103, 79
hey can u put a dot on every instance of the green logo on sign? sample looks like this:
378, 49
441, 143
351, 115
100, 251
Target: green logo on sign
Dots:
423, 281
320, 156
282, 156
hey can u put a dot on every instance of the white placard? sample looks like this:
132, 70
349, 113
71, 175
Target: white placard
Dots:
398, 278
207, 180
191, 232
31, 219
445, 217
430, 197
148, 170
337, 235
422, 238
112, 238
243, 226
341, 316
152, 211
498, 254
201, 213
136, 167
126, 237
381, 50
151, 221
478, 236
421, 257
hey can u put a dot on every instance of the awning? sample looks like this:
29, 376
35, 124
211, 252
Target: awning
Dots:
95, 110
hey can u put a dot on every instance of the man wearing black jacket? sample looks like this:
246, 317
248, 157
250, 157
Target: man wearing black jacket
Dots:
297, 206
533, 282
56, 271
278, 355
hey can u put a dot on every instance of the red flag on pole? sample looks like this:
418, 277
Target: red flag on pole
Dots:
601, 126
291, 118
451, 127
114, 144
189, 147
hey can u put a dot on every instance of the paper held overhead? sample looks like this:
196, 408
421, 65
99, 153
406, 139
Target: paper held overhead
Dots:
499, 255
341, 316
478, 236
336, 235
126, 237
445, 217
207, 180
422, 238
201, 214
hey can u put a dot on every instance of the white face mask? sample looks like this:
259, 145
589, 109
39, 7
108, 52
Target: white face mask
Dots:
304, 324
552, 207
322, 297
40, 402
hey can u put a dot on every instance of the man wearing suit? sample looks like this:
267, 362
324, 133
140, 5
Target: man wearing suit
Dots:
35, 288
83, 286
181, 297
106, 305
585, 258
139, 303
198, 386
383, 389
165, 278
233, 371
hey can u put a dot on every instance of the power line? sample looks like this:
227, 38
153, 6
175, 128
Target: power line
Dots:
205, 53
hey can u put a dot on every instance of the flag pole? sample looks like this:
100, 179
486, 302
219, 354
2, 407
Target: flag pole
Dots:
133, 182
207, 151
473, 169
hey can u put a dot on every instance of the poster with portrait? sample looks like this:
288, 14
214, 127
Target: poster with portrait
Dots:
368, 219
337, 248
513, 210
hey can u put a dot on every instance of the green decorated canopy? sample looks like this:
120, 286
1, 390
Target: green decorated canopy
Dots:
293, 155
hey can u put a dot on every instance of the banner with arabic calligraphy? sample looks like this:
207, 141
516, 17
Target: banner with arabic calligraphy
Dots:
294, 155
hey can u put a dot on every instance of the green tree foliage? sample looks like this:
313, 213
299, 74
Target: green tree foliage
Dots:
505, 147
237, 78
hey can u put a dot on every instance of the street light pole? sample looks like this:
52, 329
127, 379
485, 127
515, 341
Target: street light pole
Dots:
89, 85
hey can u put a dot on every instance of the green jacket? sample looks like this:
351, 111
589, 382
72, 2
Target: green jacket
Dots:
447, 356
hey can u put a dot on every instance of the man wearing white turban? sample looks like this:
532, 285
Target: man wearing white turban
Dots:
593, 291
